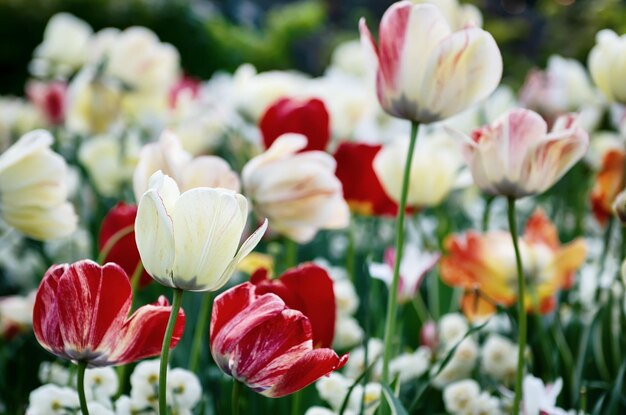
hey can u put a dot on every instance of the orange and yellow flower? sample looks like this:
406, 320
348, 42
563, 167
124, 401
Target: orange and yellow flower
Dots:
484, 266
609, 182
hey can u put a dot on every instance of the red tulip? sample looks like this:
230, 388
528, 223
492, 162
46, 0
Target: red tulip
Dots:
81, 311
119, 223
308, 289
361, 187
309, 118
185, 86
261, 342
49, 99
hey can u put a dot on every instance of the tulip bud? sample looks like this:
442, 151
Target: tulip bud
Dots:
619, 206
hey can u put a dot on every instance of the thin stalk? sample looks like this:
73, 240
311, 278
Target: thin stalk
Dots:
351, 253
165, 350
235, 397
134, 284
201, 327
113, 240
296, 403
521, 297
80, 385
487, 213
291, 253
392, 304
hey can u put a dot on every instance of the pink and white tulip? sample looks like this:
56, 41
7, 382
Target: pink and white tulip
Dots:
516, 156
426, 72
264, 344
81, 311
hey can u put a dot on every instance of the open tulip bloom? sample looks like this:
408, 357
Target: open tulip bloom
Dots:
425, 71
266, 345
81, 310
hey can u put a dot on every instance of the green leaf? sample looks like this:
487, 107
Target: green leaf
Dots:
344, 404
448, 357
616, 393
394, 403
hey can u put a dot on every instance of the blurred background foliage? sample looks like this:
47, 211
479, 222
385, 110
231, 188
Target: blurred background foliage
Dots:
222, 34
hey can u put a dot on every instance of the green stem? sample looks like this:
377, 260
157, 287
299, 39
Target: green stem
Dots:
165, 350
392, 303
487, 213
296, 403
351, 253
134, 284
291, 254
80, 384
201, 325
235, 397
521, 297
113, 240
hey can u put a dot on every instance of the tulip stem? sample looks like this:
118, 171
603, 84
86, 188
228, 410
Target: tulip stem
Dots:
196, 348
165, 350
521, 299
80, 385
235, 397
392, 303
296, 402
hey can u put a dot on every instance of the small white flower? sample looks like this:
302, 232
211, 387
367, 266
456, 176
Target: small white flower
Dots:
460, 365
370, 396
346, 297
319, 410
145, 383
460, 396
51, 399
101, 384
128, 406
348, 333
184, 387
97, 408
333, 389
409, 366
52, 372
356, 364
486, 404
452, 327
499, 358
539, 398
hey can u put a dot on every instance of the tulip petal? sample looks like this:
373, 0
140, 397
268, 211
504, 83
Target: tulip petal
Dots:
142, 334
154, 235
28, 144
46, 324
309, 368
95, 304
464, 69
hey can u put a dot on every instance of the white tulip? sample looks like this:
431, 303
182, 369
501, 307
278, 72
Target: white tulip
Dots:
190, 240
607, 64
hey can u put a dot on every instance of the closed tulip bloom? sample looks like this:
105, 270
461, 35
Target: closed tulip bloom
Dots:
484, 266
81, 311
297, 192
169, 156
516, 156
191, 240
608, 184
307, 117
266, 345
33, 188
434, 170
361, 187
607, 65
49, 99
117, 240
424, 68
308, 289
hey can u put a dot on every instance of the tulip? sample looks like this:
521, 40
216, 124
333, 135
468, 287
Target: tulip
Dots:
413, 268
516, 157
607, 64
81, 311
297, 192
609, 182
484, 265
457, 15
308, 289
361, 187
266, 345
117, 241
423, 67
190, 241
434, 169
168, 156
309, 118
49, 98
16, 315
33, 188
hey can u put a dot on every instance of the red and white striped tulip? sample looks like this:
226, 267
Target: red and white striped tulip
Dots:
266, 345
516, 156
426, 72
81, 311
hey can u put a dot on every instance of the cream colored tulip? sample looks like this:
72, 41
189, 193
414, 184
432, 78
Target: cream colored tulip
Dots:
33, 188
191, 240
434, 169
607, 64
298, 192
169, 156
